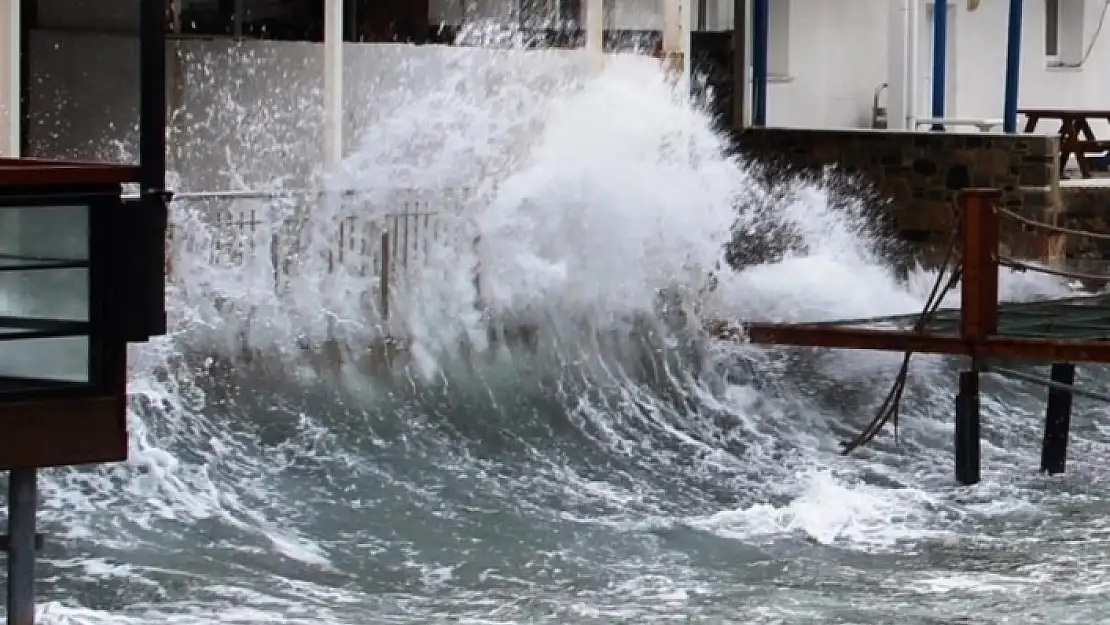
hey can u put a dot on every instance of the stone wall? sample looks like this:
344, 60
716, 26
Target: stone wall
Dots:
921, 174
1088, 209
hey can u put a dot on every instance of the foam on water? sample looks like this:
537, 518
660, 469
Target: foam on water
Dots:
567, 478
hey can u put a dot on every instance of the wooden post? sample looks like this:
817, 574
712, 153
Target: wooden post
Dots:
1054, 449
978, 318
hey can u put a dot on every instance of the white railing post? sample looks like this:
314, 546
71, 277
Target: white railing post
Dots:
595, 31
676, 38
10, 113
333, 83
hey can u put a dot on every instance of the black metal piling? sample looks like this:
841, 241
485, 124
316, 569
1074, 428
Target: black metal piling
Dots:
1054, 450
967, 429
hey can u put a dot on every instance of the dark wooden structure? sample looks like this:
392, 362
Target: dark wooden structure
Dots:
1077, 138
987, 334
49, 422
86, 267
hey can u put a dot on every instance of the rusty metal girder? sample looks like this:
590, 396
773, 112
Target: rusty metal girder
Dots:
999, 347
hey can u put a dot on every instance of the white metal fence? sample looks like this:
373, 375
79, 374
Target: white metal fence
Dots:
384, 244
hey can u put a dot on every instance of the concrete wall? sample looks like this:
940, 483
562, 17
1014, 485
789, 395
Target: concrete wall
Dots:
619, 14
922, 173
1087, 211
249, 114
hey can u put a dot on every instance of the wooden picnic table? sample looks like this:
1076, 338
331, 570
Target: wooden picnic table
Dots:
1076, 136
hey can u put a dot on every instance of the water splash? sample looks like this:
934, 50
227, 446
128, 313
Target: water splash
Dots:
592, 481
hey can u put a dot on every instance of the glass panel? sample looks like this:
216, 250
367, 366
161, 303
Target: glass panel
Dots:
44, 290
61, 359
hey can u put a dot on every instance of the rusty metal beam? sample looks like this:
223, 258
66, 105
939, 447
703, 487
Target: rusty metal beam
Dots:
998, 347
979, 279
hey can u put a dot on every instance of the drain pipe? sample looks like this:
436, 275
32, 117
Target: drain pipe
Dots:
761, 26
1013, 67
898, 53
913, 67
940, 58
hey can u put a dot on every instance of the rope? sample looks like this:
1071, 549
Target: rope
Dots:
1051, 228
1050, 383
1018, 265
891, 407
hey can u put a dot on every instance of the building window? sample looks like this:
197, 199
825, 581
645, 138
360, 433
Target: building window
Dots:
1063, 32
1052, 28
778, 40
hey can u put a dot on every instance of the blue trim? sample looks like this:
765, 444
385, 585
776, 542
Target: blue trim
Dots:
1013, 67
761, 28
940, 58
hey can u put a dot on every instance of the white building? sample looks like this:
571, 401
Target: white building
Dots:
827, 59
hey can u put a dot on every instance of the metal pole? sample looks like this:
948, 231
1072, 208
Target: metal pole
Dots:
940, 59
333, 82
152, 167
595, 27
11, 110
387, 269
1013, 67
21, 546
761, 27
740, 90
673, 35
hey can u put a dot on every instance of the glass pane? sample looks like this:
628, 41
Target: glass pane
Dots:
44, 253
44, 294
61, 359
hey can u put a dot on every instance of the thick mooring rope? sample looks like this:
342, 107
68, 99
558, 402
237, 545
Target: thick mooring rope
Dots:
1018, 265
889, 410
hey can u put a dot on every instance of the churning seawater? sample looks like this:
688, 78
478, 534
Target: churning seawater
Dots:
584, 483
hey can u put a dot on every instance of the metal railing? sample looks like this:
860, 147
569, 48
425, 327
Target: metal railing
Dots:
364, 240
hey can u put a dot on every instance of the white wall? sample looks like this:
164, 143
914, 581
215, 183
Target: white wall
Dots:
837, 57
982, 63
9, 78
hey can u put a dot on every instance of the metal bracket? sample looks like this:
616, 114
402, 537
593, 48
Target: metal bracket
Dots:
39, 542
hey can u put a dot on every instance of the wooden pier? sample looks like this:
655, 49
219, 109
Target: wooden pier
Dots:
1062, 332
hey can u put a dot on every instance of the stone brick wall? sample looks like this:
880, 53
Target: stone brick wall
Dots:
1087, 206
921, 173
